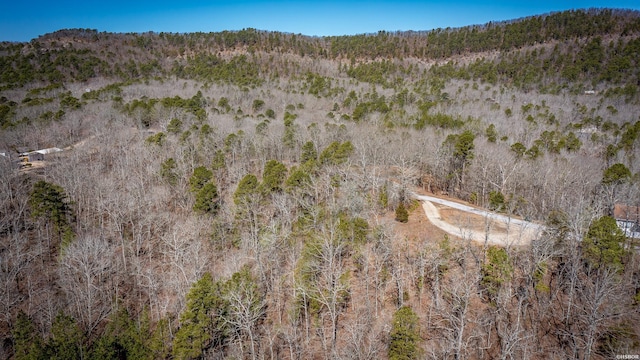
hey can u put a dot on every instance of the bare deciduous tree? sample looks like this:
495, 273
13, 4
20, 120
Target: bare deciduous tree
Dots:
88, 275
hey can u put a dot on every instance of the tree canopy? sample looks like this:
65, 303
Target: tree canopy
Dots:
405, 335
603, 246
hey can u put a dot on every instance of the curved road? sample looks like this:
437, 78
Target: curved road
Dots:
518, 232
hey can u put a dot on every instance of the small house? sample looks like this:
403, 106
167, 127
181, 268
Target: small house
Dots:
49, 151
38, 155
34, 156
628, 219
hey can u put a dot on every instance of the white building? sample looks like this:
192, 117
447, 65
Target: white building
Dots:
628, 219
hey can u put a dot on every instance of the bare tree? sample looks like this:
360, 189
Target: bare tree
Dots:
16, 260
457, 320
600, 293
184, 260
88, 275
323, 281
246, 308
362, 337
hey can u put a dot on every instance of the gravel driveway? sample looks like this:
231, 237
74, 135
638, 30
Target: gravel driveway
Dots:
515, 231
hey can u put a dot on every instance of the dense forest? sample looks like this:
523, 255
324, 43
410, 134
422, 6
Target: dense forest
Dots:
253, 195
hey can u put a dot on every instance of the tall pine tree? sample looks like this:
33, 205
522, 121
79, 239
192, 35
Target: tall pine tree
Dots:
201, 323
405, 335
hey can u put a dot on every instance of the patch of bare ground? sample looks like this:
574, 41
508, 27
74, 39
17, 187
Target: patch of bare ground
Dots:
33, 166
417, 230
480, 229
469, 221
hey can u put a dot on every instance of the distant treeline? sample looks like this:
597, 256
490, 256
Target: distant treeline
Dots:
81, 54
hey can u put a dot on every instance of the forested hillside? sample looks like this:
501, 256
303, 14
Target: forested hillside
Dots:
250, 194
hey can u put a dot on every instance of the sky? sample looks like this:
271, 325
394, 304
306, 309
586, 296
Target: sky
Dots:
26, 20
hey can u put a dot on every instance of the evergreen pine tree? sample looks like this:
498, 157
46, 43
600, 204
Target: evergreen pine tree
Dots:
405, 337
207, 199
201, 175
496, 270
66, 339
26, 342
246, 189
51, 202
309, 152
402, 215
603, 244
201, 323
273, 176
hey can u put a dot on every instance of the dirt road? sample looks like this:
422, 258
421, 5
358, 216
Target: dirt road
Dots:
499, 229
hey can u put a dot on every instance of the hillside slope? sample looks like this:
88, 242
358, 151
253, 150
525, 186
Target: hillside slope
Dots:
243, 194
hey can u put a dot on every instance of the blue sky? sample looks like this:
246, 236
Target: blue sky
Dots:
25, 20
